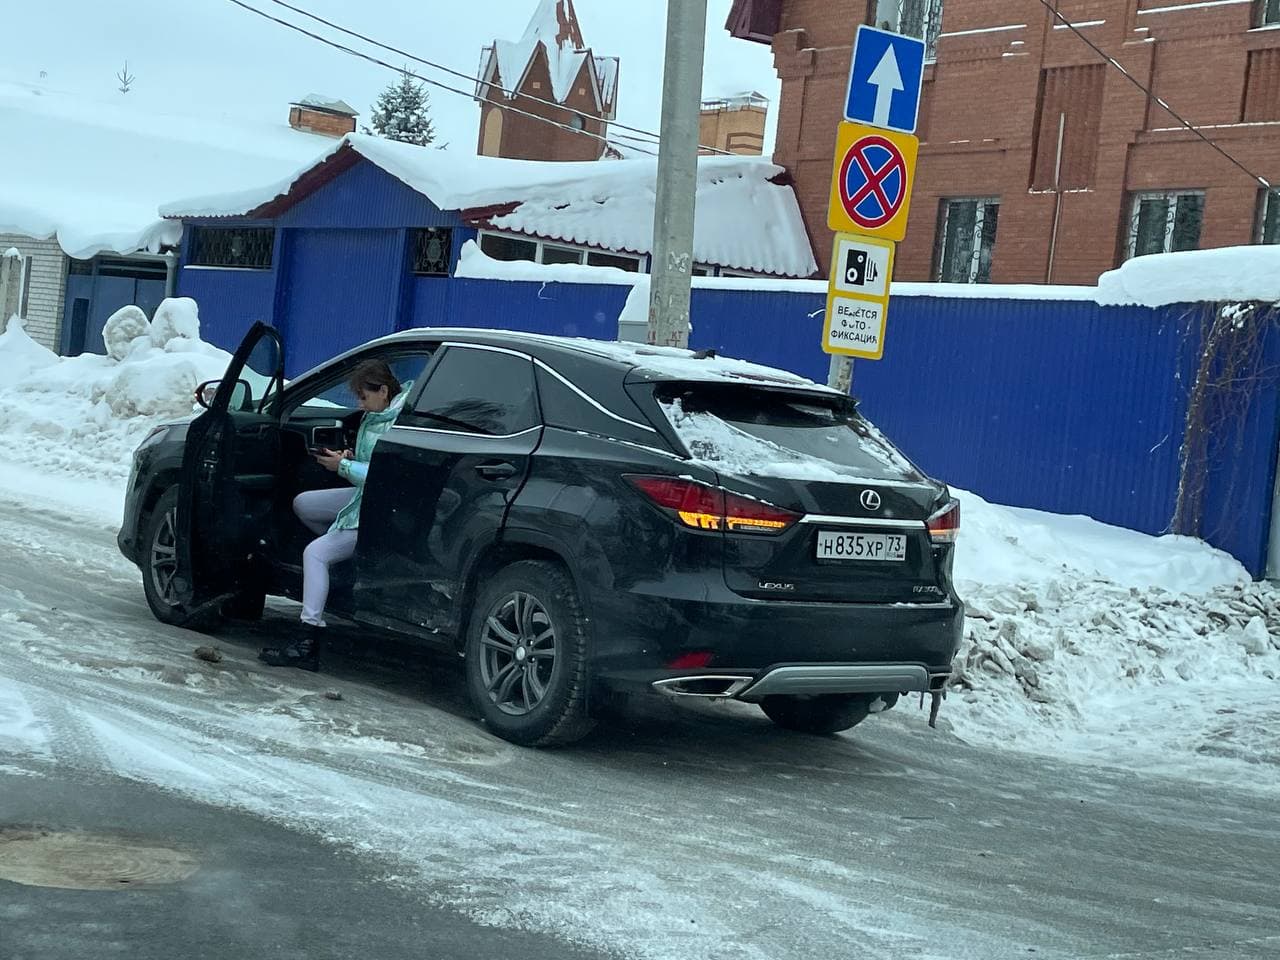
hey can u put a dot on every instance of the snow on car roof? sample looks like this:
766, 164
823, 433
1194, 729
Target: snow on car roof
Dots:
745, 219
667, 363
92, 173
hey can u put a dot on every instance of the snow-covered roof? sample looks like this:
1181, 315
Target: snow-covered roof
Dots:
320, 102
745, 217
92, 173
607, 75
1191, 276
554, 30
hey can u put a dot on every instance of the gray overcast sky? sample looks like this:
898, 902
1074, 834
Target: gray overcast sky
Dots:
210, 56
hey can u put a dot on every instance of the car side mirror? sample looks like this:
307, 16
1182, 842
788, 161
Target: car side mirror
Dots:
241, 396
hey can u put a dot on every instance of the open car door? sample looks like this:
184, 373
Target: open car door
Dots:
229, 473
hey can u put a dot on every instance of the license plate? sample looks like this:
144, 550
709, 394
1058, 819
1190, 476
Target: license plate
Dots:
861, 546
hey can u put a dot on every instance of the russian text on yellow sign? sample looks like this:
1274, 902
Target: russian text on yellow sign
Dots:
858, 296
888, 160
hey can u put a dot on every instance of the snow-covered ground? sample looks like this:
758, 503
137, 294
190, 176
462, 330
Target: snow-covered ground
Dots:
1083, 640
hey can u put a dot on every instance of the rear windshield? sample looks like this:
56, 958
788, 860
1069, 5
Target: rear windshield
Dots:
765, 433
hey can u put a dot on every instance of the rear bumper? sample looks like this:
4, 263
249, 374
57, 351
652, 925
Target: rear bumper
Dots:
811, 680
871, 648
806, 680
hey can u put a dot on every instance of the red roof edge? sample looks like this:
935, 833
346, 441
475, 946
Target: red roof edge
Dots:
483, 216
341, 160
756, 20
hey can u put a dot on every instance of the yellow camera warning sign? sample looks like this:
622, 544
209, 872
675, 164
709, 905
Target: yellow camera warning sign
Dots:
858, 296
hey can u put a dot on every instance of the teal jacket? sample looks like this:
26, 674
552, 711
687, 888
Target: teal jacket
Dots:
372, 427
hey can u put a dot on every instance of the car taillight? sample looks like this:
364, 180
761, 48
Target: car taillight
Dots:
944, 526
704, 507
744, 515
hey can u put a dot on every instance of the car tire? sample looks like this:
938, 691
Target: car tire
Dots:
526, 655
159, 563
825, 714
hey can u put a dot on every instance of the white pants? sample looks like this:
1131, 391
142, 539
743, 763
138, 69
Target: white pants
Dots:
317, 510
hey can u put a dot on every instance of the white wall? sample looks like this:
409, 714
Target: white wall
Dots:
48, 286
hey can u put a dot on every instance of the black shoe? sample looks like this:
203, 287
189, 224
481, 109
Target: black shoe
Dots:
303, 653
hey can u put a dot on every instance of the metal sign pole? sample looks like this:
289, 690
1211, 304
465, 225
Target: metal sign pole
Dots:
673, 214
840, 373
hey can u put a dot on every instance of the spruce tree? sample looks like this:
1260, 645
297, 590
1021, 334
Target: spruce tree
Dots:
403, 112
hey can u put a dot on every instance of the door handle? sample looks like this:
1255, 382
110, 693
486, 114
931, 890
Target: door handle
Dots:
496, 471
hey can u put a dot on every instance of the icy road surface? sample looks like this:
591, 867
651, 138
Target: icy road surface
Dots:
678, 832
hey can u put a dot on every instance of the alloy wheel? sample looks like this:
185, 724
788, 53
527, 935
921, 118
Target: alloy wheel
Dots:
164, 559
519, 653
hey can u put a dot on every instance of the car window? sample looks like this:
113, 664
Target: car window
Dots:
767, 433
336, 395
479, 391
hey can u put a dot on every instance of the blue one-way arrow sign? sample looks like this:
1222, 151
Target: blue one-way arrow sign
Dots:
885, 80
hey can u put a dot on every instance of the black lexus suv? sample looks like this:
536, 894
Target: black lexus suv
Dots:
572, 517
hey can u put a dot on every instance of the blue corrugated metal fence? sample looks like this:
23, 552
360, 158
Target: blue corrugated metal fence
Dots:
1065, 406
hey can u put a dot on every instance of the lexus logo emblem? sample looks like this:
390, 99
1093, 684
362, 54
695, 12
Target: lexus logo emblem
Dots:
870, 500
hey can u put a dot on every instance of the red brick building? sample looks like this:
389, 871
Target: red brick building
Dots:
1023, 126
548, 73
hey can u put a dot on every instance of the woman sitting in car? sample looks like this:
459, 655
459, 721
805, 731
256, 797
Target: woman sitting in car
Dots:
334, 515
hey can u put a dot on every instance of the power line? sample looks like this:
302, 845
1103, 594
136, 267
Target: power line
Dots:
426, 80
1263, 181
461, 75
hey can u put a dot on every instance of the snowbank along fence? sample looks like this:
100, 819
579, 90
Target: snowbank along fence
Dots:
1059, 404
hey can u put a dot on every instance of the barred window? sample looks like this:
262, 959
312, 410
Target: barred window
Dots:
245, 248
1269, 217
1165, 222
432, 251
966, 240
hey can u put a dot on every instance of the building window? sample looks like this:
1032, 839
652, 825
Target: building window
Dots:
1269, 217
502, 247
1262, 86
621, 261
507, 248
245, 248
554, 254
432, 251
1268, 12
914, 18
1165, 222
1066, 131
966, 240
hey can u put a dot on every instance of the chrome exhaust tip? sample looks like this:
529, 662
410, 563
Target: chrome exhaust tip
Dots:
711, 685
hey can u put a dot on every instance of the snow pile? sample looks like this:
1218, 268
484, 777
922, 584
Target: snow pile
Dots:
85, 415
1004, 545
19, 354
1091, 641
1195, 276
121, 330
744, 219
475, 264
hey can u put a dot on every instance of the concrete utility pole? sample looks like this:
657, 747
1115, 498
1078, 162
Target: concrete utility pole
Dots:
673, 211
